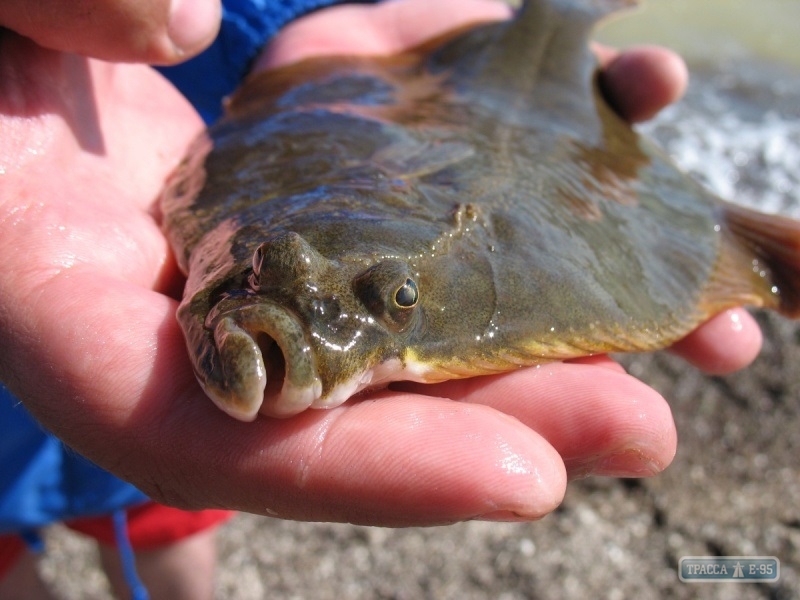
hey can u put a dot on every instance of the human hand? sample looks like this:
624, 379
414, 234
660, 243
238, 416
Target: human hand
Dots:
93, 349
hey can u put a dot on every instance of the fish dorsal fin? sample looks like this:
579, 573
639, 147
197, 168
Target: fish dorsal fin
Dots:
547, 40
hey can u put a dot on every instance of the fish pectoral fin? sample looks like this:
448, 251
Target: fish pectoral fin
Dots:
761, 255
551, 40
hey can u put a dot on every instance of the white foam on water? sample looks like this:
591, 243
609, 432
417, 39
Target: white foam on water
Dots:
738, 131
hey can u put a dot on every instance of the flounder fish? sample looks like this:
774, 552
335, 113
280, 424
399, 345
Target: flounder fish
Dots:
468, 207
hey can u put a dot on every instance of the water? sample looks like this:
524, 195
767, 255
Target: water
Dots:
738, 129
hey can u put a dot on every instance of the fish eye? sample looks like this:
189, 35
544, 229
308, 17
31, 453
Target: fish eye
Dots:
407, 294
388, 292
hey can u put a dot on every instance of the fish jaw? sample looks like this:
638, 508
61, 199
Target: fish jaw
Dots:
238, 383
245, 377
379, 376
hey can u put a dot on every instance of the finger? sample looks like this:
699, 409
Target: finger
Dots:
149, 31
641, 81
400, 459
600, 420
726, 343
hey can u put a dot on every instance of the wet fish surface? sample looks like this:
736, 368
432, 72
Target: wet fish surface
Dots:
468, 207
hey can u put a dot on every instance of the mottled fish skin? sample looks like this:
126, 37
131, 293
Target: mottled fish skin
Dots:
465, 208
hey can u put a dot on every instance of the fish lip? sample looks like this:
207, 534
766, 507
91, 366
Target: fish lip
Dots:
236, 325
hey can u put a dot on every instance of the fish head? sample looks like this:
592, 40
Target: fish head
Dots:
306, 331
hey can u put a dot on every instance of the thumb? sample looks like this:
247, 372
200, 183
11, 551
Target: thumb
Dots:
149, 31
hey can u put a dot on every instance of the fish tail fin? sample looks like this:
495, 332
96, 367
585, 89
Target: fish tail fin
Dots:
772, 243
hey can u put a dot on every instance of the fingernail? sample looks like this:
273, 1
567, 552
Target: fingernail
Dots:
626, 463
193, 25
507, 516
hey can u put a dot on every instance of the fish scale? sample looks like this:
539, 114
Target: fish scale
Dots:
470, 206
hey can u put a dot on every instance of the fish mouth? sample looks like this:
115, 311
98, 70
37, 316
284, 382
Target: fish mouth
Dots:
265, 363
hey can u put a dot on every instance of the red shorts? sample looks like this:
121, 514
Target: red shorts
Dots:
150, 526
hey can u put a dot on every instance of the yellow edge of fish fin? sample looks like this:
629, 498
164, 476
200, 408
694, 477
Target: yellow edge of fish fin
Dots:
768, 261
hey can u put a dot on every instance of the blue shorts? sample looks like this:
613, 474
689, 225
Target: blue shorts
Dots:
43, 481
